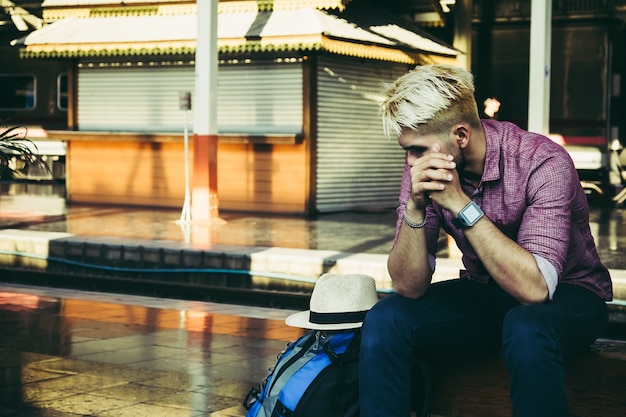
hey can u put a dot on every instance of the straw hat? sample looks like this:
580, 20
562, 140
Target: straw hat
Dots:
338, 302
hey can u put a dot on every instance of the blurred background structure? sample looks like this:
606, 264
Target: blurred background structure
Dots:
299, 83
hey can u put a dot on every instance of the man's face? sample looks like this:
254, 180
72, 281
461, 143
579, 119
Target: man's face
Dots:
417, 145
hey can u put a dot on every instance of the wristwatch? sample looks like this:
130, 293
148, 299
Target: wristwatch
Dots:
468, 216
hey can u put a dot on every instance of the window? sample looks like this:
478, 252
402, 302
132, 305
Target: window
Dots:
62, 91
17, 91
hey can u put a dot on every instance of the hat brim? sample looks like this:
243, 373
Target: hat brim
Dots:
301, 319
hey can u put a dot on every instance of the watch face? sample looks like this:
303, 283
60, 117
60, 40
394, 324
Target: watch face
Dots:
468, 216
472, 214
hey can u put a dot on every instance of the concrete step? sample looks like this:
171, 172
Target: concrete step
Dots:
258, 268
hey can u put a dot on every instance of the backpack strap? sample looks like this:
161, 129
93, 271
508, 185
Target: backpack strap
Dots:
259, 393
340, 360
251, 397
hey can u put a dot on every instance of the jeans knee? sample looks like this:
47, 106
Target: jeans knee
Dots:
529, 336
384, 324
378, 318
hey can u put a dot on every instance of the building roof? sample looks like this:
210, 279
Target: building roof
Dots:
357, 31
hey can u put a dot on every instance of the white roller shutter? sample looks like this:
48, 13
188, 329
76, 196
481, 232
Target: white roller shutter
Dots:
260, 99
252, 98
357, 167
132, 99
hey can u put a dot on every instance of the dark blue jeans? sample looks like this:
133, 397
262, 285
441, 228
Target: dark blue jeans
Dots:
462, 316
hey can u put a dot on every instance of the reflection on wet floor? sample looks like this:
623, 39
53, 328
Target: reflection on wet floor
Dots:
28, 207
112, 355
42, 207
66, 353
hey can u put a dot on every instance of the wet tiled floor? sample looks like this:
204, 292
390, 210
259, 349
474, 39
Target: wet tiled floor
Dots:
43, 208
67, 353
70, 353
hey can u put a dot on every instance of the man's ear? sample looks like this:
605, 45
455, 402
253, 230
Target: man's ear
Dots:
462, 134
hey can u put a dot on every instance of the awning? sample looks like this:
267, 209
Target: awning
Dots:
362, 32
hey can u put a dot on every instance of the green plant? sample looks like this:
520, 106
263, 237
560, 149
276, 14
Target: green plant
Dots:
15, 150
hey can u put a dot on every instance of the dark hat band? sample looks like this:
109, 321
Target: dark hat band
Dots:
337, 318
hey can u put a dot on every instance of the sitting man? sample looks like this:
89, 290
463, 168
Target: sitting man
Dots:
533, 284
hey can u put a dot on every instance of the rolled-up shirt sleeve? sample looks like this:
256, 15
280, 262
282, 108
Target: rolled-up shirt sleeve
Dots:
549, 275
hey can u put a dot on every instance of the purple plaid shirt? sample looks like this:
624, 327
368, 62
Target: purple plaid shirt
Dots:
531, 191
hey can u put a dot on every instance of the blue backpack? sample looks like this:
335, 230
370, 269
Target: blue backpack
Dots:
317, 375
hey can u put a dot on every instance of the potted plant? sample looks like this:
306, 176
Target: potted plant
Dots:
17, 151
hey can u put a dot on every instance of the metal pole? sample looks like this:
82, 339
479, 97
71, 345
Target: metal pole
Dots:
184, 103
185, 215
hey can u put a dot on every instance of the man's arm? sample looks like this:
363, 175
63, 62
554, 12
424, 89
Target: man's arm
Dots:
513, 268
408, 262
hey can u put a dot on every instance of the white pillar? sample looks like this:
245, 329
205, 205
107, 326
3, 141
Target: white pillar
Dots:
205, 106
540, 67
463, 32
204, 199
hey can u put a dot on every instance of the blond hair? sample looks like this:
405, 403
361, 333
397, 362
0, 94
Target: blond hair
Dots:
429, 100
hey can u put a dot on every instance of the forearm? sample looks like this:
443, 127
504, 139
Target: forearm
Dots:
408, 263
513, 268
